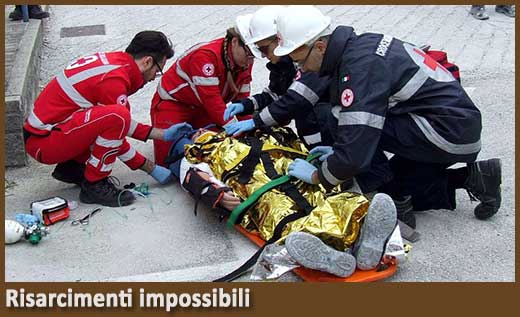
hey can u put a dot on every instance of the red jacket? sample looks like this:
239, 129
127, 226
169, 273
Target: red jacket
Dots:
99, 79
198, 78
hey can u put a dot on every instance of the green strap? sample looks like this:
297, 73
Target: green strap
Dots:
251, 200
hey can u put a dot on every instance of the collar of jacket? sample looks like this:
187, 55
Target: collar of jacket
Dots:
136, 77
285, 63
337, 43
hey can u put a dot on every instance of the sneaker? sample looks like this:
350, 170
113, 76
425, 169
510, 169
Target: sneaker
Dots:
405, 211
311, 252
69, 172
36, 12
479, 12
380, 222
105, 193
507, 10
483, 184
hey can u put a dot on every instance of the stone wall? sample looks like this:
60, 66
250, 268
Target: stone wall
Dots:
22, 87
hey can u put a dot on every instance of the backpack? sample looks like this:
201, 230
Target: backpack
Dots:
441, 57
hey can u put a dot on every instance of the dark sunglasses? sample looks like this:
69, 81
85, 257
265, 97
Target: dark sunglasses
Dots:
264, 48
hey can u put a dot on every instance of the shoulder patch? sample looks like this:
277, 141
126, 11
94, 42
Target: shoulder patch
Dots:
347, 97
208, 69
384, 44
122, 100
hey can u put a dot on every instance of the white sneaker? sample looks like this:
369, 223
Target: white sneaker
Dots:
380, 222
311, 252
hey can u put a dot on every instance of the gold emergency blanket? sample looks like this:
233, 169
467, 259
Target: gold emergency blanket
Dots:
336, 216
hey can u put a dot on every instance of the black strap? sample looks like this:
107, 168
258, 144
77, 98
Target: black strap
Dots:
269, 166
288, 188
251, 160
277, 234
197, 198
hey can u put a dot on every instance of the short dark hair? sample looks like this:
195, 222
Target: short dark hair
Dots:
150, 43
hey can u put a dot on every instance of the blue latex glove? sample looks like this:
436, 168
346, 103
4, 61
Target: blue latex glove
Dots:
161, 174
26, 219
325, 150
236, 128
302, 169
176, 130
233, 109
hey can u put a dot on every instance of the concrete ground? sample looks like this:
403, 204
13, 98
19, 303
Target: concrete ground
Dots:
159, 239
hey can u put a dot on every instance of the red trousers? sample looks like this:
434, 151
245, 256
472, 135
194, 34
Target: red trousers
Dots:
96, 136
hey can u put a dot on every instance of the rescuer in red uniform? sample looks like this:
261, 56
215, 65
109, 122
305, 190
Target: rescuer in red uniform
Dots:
201, 82
81, 119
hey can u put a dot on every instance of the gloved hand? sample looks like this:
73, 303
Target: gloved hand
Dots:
236, 128
302, 169
325, 150
161, 174
175, 131
233, 109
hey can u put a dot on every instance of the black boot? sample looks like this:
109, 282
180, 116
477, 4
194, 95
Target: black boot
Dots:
36, 12
483, 183
69, 172
405, 211
17, 14
105, 193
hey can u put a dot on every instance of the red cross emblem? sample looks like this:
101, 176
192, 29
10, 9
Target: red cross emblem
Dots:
122, 100
429, 61
208, 69
347, 97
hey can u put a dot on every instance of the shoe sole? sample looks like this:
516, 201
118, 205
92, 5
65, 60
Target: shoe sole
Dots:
84, 198
311, 252
495, 166
379, 224
504, 13
480, 18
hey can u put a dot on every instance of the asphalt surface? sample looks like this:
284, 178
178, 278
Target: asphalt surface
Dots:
160, 239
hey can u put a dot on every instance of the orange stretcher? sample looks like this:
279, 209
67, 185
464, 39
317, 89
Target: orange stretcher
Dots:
310, 275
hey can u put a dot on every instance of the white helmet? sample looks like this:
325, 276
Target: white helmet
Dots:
263, 23
242, 23
300, 25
